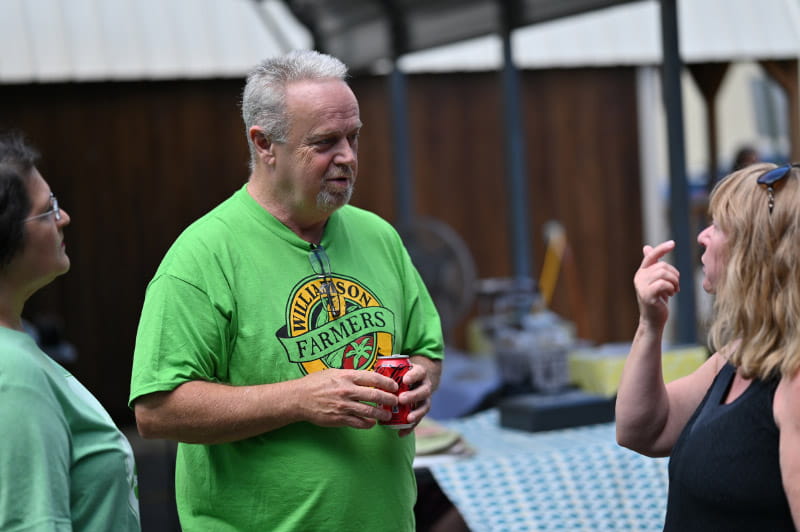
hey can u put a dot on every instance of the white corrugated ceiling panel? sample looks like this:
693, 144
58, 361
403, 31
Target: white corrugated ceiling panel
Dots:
481, 53
162, 48
630, 34
93, 40
18, 58
47, 36
122, 40
626, 34
715, 30
85, 39
190, 22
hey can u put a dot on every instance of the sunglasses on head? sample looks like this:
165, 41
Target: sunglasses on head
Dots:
770, 178
321, 265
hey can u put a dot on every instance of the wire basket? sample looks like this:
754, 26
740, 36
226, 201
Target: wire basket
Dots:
534, 357
542, 370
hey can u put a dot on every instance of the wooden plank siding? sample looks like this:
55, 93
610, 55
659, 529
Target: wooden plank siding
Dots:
583, 166
134, 163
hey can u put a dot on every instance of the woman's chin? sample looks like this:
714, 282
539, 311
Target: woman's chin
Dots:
65, 265
708, 287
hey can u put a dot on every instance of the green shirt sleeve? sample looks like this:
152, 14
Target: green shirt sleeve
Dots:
182, 337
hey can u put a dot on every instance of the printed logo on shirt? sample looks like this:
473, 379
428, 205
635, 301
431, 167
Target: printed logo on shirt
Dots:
315, 338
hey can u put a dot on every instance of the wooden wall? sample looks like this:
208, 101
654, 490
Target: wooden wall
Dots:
134, 163
583, 167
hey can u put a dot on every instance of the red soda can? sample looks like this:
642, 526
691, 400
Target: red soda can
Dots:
395, 367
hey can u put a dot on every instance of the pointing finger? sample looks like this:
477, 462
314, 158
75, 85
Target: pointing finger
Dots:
654, 254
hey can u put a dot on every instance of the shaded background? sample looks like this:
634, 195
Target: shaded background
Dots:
135, 163
134, 105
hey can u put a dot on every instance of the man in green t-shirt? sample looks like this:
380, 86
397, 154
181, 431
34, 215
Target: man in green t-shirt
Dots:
262, 318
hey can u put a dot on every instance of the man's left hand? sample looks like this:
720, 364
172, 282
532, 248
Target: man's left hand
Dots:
422, 379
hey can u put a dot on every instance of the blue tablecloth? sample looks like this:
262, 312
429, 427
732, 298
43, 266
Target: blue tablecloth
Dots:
568, 480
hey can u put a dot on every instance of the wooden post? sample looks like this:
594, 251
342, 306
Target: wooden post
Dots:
708, 77
784, 72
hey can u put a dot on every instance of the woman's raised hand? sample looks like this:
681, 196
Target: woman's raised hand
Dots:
655, 282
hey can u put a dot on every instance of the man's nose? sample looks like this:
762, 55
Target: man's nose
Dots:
346, 154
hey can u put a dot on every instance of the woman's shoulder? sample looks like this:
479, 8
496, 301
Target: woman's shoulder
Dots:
712, 367
18, 354
25, 371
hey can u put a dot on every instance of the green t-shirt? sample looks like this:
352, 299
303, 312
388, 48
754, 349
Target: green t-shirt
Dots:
64, 465
236, 301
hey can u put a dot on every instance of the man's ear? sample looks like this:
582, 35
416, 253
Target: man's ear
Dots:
265, 148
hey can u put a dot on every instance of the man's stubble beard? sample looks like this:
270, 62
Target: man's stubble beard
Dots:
330, 200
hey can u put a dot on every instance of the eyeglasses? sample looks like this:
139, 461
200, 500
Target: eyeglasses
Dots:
770, 178
321, 265
54, 210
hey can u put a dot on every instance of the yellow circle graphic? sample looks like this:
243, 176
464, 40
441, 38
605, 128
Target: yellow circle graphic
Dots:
313, 306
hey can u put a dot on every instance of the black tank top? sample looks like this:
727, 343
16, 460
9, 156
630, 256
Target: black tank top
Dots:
724, 470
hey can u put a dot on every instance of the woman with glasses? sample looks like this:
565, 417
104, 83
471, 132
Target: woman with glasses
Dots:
731, 428
64, 465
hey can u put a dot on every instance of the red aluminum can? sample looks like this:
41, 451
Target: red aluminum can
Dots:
395, 367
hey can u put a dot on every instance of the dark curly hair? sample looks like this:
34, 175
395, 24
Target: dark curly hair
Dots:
17, 161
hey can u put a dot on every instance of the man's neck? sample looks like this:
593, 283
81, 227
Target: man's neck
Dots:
310, 227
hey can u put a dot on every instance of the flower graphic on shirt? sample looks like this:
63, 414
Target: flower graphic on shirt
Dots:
358, 354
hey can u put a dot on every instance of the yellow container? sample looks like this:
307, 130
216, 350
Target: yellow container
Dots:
598, 370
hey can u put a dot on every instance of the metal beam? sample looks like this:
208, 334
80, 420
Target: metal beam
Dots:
517, 178
398, 94
403, 177
686, 331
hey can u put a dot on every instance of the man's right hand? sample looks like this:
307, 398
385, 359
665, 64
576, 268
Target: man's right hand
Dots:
209, 412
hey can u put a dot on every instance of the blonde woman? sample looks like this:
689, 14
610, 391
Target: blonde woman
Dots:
731, 428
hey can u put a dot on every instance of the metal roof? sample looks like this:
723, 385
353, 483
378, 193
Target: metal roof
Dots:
363, 32
92, 40
630, 34
96, 40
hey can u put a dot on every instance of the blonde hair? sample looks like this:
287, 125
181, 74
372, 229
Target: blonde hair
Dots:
758, 292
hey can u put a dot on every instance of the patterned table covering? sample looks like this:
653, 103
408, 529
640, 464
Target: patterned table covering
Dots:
567, 480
